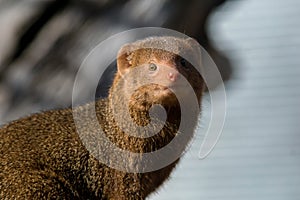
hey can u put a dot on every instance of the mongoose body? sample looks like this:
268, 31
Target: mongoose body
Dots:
43, 157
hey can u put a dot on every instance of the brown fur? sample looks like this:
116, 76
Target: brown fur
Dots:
42, 156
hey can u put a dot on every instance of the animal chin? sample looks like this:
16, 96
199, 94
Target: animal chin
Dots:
164, 96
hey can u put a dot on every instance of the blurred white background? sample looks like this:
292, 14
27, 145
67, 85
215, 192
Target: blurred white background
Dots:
258, 155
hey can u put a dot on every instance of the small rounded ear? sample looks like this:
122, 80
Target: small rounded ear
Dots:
193, 42
124, 59
197, 49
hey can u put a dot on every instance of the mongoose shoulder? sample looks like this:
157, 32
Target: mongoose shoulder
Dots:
43, 156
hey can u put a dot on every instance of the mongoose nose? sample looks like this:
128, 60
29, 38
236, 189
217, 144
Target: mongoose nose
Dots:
173, 76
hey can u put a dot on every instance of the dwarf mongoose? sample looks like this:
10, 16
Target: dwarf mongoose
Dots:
43, 157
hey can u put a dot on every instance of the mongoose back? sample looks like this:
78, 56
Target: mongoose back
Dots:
43, 157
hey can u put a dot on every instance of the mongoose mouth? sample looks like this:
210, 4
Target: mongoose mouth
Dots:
169, 95
175, 88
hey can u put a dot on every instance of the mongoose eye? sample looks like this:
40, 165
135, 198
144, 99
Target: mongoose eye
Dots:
152, 67
183, 63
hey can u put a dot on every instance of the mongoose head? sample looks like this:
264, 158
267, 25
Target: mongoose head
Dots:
161, 61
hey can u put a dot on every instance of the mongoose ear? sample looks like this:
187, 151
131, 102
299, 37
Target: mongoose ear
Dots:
124, 59
197, 49
194, 43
